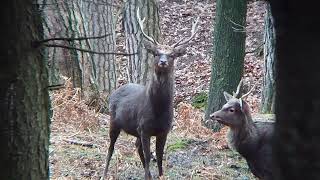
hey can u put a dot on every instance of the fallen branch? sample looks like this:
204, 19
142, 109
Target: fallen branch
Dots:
87, 50
81, 143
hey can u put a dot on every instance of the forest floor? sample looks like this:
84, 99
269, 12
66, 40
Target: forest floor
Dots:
79, 135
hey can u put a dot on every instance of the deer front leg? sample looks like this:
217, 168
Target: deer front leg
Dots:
145, 141
160, 143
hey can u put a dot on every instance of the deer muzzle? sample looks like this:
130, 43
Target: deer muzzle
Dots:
215, 116
163, 61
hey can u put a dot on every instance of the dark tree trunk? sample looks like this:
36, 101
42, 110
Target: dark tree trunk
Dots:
228, 53
268, 92
24, 100
297, 133
139, 65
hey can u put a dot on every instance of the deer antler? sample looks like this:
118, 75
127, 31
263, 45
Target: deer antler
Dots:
140, 22
245, 95
235, 94
193, 33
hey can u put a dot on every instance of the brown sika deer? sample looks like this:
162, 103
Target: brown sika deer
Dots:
251, 139
145, 111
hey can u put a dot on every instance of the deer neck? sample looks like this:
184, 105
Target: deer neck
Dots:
244, 139
160, 91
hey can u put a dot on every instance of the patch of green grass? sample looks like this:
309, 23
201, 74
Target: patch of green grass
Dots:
179, 144
200, 100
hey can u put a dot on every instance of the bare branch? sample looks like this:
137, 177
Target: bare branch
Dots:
193, 33
140, 22
236, 24
87, 50
73, 39
103, 3
56, 87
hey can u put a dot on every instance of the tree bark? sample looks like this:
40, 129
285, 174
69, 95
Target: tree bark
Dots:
228, 53
297, 133
24, 99
138, 66
94, 18
268, 92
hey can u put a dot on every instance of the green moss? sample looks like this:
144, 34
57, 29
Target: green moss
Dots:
179, 144
200, 100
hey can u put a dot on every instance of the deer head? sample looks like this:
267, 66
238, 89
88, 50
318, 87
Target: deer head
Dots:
235, 112
165, 54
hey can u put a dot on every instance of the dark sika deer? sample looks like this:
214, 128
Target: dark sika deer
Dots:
145, 111
251, 139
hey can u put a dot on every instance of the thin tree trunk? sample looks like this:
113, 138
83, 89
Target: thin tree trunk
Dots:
139, 65
228, 53
268, 93
24, 99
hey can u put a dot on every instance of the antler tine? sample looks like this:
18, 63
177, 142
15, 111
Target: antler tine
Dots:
245, 95
238, 89
193, 33
140, 22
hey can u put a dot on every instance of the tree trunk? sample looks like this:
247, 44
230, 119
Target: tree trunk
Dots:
268, 93
138, 66
98, 18
24, 99
82, 18
297, 133
228, 53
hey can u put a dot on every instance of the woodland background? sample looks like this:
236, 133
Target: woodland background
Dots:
79, 129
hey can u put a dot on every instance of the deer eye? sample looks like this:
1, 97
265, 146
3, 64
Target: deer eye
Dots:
231, 110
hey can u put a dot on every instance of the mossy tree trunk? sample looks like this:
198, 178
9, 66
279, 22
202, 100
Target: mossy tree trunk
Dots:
268, 92
138, 66
228, 53
24, 99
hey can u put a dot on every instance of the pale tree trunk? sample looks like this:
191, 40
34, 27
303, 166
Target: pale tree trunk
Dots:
228, 54
93, 19
99, 20
24, 99
138, 66
268, 93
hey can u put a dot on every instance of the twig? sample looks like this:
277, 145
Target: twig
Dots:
87, 50
72, 39
81, 143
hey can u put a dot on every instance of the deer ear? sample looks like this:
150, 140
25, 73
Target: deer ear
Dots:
179, 51
150, 46
244, 106
227, 96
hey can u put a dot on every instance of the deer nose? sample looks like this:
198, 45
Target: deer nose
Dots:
163, 60
213, 115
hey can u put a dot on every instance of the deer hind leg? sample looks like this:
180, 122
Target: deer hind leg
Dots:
114, 133
140, 151
145, 141
160, 143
